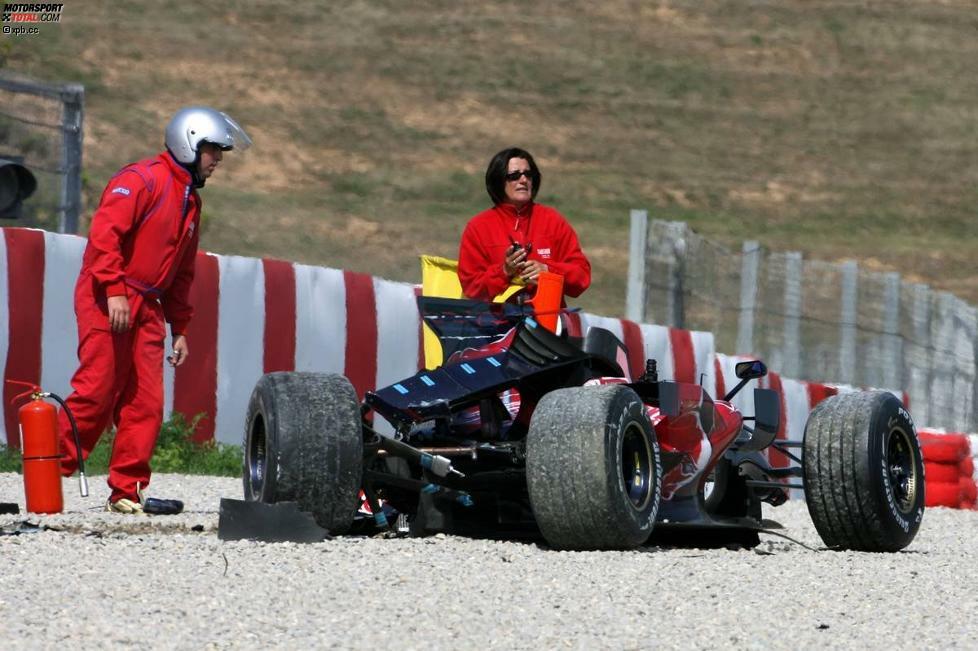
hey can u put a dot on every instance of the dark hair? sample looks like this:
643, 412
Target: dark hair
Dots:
496, 173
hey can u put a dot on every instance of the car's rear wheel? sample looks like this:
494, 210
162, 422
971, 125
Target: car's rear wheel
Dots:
864, 473
593, 469
304, 443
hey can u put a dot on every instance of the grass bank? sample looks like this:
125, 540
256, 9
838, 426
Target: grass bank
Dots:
844, 130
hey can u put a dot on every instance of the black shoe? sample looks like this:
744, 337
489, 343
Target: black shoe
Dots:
157, 506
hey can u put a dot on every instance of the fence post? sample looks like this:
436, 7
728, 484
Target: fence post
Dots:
847, 322
892, 348
942, 365
918, 358
974, 400
73, 96
636, 293
675, 306
966, 331
792, 314
750, 261
666, 255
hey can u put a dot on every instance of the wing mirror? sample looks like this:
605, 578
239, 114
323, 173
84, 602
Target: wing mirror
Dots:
750, 370
746, 371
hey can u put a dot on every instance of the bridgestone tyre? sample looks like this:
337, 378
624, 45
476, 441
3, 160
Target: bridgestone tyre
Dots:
864, 473
593, 469
304, 443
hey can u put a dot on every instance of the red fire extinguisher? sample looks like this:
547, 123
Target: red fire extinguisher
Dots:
41, 455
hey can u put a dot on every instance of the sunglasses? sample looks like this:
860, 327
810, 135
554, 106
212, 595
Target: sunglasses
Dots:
515, 176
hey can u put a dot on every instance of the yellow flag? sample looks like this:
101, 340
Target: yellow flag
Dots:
439, 277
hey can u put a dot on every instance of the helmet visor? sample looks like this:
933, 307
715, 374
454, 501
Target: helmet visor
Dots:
239, 139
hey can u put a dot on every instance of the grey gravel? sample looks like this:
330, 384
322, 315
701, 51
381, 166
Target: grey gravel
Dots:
90, 578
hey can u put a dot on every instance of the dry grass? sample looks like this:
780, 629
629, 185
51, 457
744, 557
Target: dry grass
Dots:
840, 129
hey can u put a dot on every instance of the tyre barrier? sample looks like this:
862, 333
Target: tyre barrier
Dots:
949, 469
941, 473
967, 466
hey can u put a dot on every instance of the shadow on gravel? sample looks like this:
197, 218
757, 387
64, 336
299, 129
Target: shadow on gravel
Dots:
132, 525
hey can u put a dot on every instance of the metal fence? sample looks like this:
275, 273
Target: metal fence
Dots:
41, 127
811, 320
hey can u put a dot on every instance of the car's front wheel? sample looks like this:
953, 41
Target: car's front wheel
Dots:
864, 472
593, 469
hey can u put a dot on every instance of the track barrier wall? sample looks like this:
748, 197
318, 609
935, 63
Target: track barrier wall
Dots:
254, 316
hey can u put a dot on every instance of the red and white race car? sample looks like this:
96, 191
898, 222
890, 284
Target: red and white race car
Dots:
529, 433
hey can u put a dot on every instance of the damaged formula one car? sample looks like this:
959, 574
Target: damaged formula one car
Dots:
536, 434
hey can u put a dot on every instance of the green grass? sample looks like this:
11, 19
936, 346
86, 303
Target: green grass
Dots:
9, 459
836, 129
175, 452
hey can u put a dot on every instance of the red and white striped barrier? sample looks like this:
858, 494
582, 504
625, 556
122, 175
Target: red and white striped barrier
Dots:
255, 316
798, 398
681, 355
949, 468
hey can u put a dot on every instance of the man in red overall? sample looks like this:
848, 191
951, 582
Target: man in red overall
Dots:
136, 272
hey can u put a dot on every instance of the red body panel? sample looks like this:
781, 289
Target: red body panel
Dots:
696, 438
692, 441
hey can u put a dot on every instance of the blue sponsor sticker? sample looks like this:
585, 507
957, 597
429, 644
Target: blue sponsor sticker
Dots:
530, 322
427, 380
468, 369
495, 362
400, 389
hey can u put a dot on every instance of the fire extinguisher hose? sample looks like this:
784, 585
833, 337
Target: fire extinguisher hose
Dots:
82, 480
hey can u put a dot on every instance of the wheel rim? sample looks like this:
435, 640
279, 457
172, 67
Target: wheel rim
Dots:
257, 457
636, 466
902, 469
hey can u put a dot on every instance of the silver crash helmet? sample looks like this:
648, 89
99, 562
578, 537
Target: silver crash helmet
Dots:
193, 125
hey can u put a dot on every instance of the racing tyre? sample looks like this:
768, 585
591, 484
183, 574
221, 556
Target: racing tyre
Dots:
593, 469
304, 443
864, 473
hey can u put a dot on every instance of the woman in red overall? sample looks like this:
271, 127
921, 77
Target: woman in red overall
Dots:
517, 238
136, 273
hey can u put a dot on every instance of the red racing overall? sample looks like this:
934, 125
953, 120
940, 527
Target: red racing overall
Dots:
142, 244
